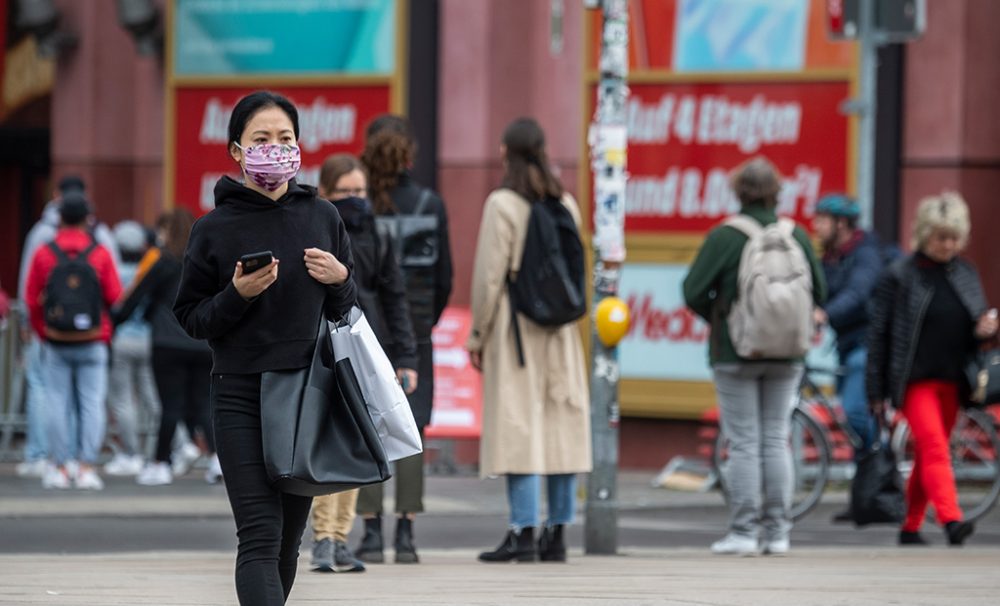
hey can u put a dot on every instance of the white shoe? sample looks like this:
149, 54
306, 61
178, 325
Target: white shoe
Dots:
779, 547
56, 478
155, 474
73, 469
214, 473
32, 469
124, 465
184, 458
734, 544
89, 480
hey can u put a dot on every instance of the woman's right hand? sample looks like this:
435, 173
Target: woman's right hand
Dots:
476, 359
251, 285
986, 327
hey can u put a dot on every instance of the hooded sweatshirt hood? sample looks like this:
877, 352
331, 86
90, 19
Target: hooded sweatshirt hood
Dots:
230, 192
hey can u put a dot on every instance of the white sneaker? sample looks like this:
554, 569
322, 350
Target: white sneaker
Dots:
734, 544
124, 465
56, 478
89, 480
32, 469
73, 469
779, 547
184, 458
155, 474
214, 473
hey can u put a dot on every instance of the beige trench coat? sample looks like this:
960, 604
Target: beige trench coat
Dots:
536, 419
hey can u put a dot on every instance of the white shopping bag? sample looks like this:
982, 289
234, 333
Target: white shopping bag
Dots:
386, 400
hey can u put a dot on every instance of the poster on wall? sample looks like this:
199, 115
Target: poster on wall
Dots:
458, 391
331, 120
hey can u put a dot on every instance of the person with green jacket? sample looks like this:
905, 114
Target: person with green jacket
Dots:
756, 395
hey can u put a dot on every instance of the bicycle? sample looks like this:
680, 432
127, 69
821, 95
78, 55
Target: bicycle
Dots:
821, 435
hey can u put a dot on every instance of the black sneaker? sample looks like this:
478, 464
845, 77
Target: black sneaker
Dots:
907, 537
344, 560
957, 532
322, 556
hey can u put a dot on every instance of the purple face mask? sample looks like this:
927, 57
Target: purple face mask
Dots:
269, 165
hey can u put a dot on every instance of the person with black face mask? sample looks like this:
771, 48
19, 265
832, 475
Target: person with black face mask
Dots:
257, 321
382, 296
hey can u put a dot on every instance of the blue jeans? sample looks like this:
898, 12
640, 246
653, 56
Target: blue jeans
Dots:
76, 375
523, 497
852, 397
36, 442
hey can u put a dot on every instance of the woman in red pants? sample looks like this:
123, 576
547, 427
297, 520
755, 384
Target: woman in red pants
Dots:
928, 318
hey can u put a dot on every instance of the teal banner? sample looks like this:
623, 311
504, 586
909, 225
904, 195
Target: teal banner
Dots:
286, 37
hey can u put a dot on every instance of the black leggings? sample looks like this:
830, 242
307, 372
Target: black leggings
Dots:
269, 524
182, 380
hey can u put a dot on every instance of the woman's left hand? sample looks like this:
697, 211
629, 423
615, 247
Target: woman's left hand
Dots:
987, 325
324, 267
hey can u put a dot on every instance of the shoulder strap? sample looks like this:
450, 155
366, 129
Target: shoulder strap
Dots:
60, 253
86, 251
748, 225
425, 197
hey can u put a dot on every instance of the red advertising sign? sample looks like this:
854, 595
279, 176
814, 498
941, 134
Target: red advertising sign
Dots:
458, 391
331, 119
685, 138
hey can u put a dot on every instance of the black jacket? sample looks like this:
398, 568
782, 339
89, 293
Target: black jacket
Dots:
427, 289
381, 294
850, 279
896, 319
277, 330
159, 287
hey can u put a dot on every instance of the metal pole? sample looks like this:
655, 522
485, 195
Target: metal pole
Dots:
608, 141
867, 37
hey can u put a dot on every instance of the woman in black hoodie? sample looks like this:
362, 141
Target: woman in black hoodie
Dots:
260, 321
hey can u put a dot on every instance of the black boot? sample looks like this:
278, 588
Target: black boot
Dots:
406, 551
957, 532
515, 546
551, 547
370, 550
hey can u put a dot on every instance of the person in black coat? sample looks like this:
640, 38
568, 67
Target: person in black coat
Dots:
262, 321
427, 272
928, 317
382, 297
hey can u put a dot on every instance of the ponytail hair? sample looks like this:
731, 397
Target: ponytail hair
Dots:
528, 170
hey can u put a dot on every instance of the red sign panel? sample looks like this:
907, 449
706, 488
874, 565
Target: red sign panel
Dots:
458, 391
331, 120
684, 139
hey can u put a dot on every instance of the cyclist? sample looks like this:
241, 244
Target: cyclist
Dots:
852, 261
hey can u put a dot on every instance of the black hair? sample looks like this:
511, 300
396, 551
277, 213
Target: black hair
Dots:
250, 105
528, 170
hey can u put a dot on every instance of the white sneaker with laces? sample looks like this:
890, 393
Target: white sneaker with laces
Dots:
214, 473
155, 474
778, 547
57, 478
734, 544
124, 465
89, 480
32, 469
184, 459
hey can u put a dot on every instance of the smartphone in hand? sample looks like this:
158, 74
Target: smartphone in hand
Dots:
255, 261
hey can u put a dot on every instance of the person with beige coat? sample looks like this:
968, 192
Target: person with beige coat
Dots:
536, 417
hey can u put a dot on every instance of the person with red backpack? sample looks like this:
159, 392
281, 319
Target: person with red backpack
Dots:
757, 282
72, 282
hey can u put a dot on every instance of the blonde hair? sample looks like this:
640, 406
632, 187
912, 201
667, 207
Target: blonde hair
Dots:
946, 211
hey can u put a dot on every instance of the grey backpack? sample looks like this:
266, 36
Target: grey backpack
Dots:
772, 316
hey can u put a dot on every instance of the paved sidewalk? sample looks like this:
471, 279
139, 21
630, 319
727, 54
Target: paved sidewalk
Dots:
678, 577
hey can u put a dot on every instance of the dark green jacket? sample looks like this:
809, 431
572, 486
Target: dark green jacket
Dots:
710, 286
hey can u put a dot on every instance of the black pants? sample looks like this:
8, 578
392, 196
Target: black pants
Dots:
269, 524
182, 380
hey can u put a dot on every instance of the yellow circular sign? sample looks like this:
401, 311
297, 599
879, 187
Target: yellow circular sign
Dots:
612, 320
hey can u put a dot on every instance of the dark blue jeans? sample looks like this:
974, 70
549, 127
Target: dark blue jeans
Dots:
852, 397
269, 524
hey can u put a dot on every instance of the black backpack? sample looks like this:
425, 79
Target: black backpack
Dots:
73, 298
549, 288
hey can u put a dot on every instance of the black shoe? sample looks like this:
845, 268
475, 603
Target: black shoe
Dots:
911, 538
406, 551
957, 532
551, 547
515, 546
370, 550
843, 517
322, 556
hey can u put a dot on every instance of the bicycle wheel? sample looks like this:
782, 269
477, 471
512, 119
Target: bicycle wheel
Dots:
975, 449
810, 463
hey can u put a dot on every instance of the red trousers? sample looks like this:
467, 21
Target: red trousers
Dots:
930, 407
